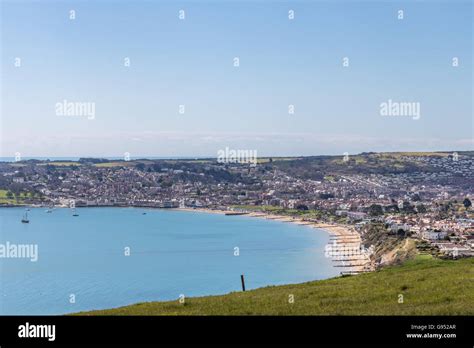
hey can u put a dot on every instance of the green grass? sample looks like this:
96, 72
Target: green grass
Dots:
417, 154
276, 210
258, 208
60, 164
5, 200
115, 164
429, 287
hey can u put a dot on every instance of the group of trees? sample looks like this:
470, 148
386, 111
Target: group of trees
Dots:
467, 203
407, 208
377, 209
17, 195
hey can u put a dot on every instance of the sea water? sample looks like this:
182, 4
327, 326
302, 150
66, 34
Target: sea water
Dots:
111, 257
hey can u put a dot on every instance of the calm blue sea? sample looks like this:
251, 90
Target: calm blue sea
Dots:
171, 253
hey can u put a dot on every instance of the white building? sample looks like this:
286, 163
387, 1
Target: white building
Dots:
434, 235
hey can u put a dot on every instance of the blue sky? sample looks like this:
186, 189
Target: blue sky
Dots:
190, 62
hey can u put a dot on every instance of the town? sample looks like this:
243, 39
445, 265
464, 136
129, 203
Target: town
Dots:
386, 197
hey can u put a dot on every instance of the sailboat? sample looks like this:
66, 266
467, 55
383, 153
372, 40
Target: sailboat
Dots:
25, 219
74, 212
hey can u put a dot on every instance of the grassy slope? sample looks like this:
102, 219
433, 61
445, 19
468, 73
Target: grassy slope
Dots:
429, 286
5, 200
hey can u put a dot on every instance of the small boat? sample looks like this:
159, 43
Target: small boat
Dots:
143, 213
49, 210
74, 212
25, 219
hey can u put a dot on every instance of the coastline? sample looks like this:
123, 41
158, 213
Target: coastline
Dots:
343, 238
340, 235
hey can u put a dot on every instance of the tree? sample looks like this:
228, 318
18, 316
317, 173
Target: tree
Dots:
375, 210
401, 232
467, 202
302, 207
9, 195
326, 195
420, 208
392, 208
140, 166
408, 208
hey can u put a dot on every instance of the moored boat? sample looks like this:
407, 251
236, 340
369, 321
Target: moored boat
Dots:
25, 219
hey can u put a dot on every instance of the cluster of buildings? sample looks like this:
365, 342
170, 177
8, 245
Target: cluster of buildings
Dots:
453, 236
414, 201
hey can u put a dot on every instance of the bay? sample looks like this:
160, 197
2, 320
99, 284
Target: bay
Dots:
171, 253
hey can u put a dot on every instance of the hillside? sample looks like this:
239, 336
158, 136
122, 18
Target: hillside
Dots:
429, 287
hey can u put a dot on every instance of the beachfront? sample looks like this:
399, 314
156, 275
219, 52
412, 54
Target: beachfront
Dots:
345, 247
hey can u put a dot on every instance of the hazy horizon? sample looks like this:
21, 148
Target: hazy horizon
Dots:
184, 157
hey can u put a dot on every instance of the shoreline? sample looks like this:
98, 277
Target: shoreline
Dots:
342, 238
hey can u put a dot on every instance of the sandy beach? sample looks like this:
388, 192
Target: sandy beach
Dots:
344, 247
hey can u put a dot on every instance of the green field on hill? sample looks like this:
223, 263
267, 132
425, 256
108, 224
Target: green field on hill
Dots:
429, 287
5, 200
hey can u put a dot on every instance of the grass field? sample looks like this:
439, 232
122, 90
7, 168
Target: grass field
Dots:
417, 154
262, 208
5, 200
60, 164
116, 164
429, 287
3, 197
